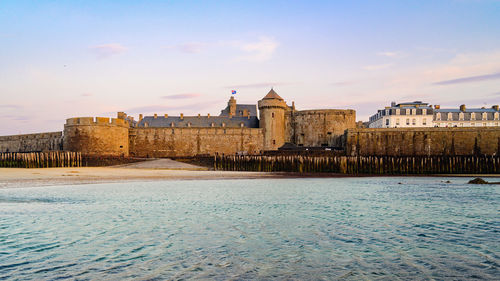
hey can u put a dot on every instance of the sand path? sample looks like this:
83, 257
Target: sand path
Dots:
161, 169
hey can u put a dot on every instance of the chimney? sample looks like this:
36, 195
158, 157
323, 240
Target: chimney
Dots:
156, 116
393, 104
293, 105
208, 115
462, 107
437, 106
166, 115
140, 117
182, 116
199, 115
495, 107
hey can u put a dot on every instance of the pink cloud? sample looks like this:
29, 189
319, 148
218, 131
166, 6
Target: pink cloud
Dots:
182, 96
108, 50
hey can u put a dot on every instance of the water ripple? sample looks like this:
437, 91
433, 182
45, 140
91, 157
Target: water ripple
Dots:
346, 229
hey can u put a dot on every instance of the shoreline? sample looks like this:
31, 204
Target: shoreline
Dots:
35, 177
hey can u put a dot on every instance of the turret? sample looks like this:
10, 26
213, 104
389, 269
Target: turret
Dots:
231, 104
272, 119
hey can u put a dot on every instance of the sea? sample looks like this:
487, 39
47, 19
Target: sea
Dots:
365, 228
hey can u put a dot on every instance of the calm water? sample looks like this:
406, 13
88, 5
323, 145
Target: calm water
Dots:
347, 228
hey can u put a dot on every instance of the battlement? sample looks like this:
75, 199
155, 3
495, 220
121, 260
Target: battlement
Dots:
327, 111
96, 121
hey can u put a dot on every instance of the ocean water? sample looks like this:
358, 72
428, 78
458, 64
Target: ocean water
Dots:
378, 228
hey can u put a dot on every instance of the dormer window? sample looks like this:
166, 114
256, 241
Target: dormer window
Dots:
172, 124
212, 124
189, 124
223, 124
398, 111
414, 112
407, 112
242, 124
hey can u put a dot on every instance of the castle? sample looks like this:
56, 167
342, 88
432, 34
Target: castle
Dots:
238, 129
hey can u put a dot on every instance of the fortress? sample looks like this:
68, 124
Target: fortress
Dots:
252, 129
238, 129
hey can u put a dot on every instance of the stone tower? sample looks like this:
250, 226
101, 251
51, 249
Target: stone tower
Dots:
231, 104
272, 119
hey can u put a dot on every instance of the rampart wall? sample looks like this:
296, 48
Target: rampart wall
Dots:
97, 136
422, 141
31, 142
318, 127
171, 142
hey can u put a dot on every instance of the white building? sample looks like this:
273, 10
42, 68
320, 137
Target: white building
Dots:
464, 117
403, 115
419, 114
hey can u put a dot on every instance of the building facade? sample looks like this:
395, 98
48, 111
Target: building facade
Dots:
418, 114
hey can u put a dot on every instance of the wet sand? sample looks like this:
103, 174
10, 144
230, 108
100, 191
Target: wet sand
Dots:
20, 177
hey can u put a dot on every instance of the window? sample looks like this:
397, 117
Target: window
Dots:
272, 115
387, 122
424, 121
414, 121
397, 122
407, 121
398, 112
274, 141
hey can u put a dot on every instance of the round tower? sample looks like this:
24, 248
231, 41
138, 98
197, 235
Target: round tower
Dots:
96, 136
272, 119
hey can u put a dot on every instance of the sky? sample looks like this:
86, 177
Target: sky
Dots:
62, 59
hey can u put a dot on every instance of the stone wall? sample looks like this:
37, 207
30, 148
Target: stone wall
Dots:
423, 141
97, 136
31, 142
318, 127
171, 142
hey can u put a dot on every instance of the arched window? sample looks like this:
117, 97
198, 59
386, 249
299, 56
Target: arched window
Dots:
272, 114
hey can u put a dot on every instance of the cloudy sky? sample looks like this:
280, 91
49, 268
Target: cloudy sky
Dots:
90, 58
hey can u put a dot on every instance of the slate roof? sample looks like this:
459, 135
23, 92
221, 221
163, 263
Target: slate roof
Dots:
467, 116
272, 95
199, 122
251, 108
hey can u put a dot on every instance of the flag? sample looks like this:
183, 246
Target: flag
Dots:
233, 92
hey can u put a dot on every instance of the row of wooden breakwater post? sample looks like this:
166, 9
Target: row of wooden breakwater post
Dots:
49, 159
360, 164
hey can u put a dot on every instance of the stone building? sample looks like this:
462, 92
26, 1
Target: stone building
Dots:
418, 114
239, 128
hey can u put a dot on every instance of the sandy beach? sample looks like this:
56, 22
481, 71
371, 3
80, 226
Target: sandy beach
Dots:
19, 177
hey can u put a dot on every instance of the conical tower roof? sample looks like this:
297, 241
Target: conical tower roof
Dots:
272, 95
